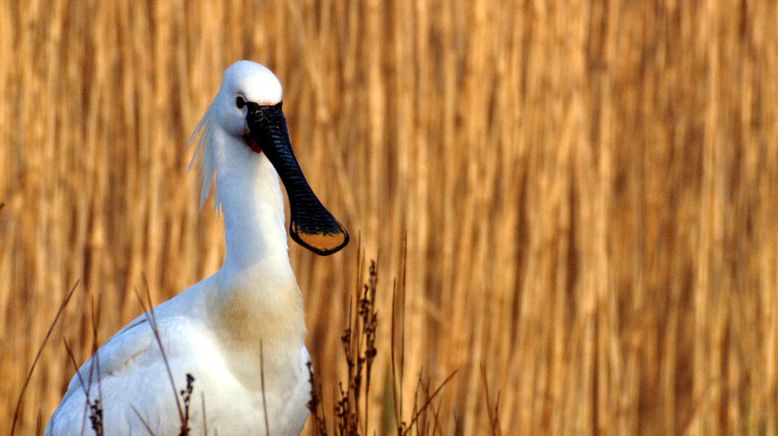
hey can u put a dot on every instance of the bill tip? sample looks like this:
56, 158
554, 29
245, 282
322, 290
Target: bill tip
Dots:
321, 243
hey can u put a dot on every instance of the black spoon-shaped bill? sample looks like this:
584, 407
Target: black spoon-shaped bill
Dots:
311, 224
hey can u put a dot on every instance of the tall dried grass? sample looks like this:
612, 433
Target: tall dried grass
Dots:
589, 190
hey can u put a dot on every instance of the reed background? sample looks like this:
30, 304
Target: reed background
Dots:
589, 192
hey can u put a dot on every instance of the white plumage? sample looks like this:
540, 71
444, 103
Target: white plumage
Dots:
214, 329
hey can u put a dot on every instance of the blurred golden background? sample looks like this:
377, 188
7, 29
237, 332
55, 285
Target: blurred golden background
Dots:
588, 191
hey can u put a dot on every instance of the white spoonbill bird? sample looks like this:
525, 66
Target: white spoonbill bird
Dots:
215, 329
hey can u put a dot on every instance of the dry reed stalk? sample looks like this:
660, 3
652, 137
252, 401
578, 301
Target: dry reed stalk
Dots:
350, 416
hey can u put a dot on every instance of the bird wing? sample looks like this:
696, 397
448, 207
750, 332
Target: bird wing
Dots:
116, 354
130, 344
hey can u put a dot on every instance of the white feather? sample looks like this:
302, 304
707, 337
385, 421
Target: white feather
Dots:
204, 151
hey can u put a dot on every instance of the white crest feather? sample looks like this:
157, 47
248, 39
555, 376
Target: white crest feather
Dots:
205, 150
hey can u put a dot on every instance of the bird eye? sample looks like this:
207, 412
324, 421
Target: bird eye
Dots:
240, 102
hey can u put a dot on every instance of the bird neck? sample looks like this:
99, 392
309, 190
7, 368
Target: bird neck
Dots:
258, 299
250, 198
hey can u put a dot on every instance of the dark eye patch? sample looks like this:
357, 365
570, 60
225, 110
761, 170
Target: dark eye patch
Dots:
240, 102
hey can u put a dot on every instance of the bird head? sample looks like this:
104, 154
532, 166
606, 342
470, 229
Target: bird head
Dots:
246, 122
